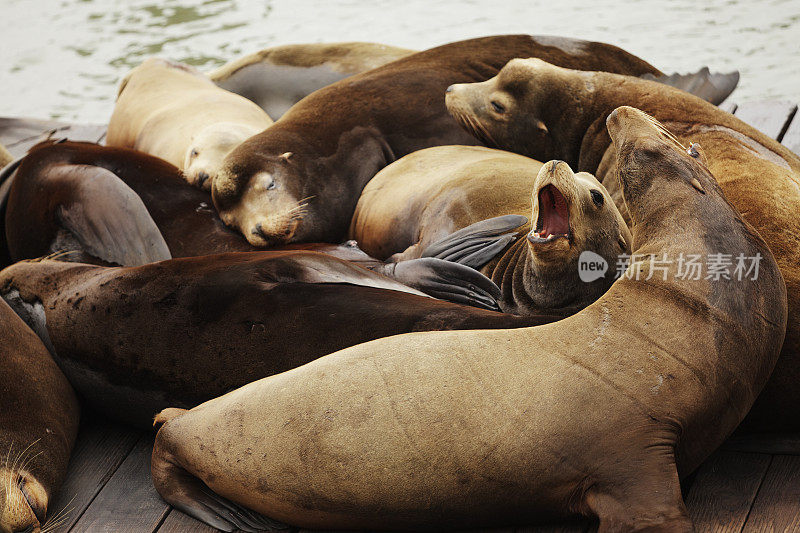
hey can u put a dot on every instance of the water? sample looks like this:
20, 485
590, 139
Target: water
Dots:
63, 59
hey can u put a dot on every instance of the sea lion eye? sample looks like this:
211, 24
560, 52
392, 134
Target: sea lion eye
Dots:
271, 185
597, 198
497, 106
194, 152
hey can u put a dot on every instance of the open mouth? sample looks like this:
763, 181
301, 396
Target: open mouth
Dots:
553, 220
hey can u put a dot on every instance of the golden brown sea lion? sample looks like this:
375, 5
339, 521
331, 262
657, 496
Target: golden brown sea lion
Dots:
597, 414
277, 78
758, 175
38, 423
410, 207
174, 112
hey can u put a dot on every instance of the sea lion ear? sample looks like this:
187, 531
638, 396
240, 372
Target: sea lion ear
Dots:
286, 156
540, 126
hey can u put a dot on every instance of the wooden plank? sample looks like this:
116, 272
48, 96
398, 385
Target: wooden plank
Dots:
100, 449
777, 506
729, 106
791, 139
771, 117
769, 443
19, 134
128, 502
178, 522
724, 490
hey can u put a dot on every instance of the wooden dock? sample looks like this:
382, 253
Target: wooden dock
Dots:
751, 484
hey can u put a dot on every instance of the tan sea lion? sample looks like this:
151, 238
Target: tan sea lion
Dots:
38, 424
276, 78
758, 175
213, 323
597, 414
174, 112
299, 181
410, 207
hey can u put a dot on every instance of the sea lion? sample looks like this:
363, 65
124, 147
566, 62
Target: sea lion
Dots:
277, 78
421, 198
299, 181
38, 424
597, 414
214, 323
124, 207
175, 112
758, 175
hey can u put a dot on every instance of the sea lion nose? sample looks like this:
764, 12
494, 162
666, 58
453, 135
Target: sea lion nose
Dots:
202, 177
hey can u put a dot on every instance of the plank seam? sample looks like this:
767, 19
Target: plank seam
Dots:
102, 484
758, 491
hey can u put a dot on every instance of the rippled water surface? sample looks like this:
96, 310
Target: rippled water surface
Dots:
64, 58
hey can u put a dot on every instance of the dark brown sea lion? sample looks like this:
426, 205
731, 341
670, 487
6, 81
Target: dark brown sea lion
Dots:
133, 341
299, 181
38, 424
127, 208
598, 414
409, 208
277, 78
758, 175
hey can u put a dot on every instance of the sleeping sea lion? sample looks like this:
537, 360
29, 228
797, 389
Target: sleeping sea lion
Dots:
758, 175
411, 206
213, 323
38, 424
175, 112
277, 78
104, 205
598, 414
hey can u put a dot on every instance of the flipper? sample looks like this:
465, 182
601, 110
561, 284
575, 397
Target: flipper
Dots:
190, 495
711, 87
447, 281
107, 218
478, 243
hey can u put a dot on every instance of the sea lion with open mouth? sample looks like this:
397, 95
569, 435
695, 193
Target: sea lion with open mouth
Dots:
598, 414
411, 208
758, 175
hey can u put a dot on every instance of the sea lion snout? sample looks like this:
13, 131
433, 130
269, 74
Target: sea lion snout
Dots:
25, 502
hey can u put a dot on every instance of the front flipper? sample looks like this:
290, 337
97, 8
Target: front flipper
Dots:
190, 495
478, 243
107, 218
447, 281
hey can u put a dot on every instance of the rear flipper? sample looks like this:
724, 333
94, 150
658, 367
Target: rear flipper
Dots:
478, 243
714, 88
188, 494
447, 281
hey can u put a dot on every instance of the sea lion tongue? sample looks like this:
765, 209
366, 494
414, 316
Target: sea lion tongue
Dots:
553, 213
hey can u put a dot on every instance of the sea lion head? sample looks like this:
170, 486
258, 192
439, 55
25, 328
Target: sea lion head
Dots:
261, 195
572, 214
646, 150
23, 498
511, 111
208, 149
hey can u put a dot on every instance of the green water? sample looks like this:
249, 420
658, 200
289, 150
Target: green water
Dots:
64, 58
